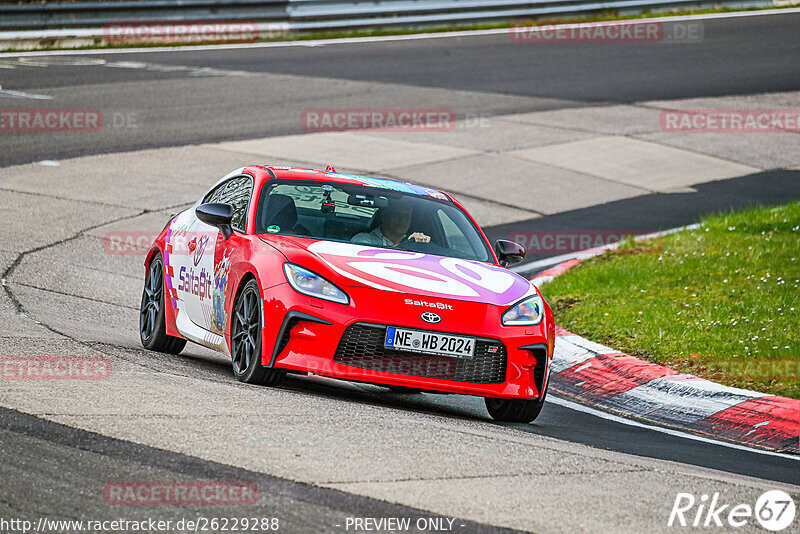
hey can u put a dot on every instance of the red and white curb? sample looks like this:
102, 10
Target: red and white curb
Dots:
598, 375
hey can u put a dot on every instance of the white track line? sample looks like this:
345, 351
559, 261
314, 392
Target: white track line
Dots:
379, 39
20, 94
672, 432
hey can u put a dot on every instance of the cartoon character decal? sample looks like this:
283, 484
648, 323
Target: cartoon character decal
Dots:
221, 271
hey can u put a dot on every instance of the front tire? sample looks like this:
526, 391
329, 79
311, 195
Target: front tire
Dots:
246, 330
514, 410
152, 329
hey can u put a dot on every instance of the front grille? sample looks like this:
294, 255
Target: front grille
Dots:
362, 346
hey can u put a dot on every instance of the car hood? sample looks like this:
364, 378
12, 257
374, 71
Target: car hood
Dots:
420, 274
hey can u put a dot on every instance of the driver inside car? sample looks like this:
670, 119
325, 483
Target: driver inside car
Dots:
395, 220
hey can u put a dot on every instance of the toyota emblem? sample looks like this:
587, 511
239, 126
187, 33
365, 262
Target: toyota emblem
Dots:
430, 317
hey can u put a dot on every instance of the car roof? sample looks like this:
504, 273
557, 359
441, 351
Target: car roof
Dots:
299, 173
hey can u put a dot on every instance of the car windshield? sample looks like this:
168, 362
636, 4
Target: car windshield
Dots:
370, 216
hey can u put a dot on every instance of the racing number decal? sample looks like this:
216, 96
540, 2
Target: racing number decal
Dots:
396, 270
415, 277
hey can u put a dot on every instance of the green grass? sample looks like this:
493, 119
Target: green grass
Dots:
716, 301
607, 15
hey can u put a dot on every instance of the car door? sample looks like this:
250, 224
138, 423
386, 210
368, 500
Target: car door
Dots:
238, 194
201, 270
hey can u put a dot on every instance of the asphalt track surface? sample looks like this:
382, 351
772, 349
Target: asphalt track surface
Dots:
78, 463
737, 56
662, 211
261, 91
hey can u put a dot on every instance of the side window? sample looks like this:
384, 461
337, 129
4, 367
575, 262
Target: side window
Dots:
215, 194
456, 240
236, 192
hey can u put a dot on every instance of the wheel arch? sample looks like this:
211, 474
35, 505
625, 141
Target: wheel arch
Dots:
169, 340
257, 374
150, 255
247, 275
170, 318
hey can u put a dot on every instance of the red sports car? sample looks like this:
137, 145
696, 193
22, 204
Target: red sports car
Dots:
291, 270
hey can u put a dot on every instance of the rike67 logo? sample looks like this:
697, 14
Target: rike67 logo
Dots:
774, 510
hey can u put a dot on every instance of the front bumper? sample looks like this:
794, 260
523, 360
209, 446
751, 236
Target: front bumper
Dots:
304, 334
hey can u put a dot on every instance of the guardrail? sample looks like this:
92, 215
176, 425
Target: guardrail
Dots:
330, 14
55, 15
58, 19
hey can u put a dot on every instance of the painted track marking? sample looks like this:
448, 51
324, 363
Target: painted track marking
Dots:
664, 430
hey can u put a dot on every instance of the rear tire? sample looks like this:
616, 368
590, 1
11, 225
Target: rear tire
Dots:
514, 410
246, 329
152, 329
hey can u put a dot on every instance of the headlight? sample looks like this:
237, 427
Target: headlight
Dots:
311, 284
527, 312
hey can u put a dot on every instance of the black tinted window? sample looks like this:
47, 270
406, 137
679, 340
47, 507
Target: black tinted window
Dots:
356, 213
236, 192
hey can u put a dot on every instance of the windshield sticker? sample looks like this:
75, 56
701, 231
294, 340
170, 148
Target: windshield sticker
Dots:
396, 185
436, 194
382, 183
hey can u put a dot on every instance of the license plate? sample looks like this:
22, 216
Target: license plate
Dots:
430, 342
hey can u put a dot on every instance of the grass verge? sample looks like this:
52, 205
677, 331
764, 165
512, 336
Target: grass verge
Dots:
719, 302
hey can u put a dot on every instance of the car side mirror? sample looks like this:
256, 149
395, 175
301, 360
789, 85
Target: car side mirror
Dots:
217, 214
509, 252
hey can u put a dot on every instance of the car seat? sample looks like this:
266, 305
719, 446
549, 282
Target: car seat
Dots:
281, 211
